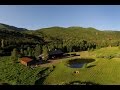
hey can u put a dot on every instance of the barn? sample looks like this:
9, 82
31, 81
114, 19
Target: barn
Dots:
26, 61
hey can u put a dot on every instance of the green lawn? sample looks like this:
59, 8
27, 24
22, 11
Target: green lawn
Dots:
106, 71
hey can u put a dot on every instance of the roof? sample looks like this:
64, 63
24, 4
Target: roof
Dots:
55, 52
26, 59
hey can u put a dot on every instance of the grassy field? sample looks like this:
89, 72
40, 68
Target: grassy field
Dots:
103, 70
18, 74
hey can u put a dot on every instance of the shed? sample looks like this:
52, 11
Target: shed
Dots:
26, 61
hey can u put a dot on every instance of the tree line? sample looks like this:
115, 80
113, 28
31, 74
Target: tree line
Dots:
71, 39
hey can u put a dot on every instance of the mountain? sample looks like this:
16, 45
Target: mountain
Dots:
11, 28
74, 36
17, 36
70, 33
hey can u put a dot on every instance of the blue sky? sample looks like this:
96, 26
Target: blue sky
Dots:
102, 17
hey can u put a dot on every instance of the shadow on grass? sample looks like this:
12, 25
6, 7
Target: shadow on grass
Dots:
40, 81
81, 83
44, 62
91, 66
4, 84
43, 75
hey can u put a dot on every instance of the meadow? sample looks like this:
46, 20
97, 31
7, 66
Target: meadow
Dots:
103, 71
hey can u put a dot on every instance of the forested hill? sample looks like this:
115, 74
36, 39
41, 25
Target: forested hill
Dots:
78, 32
11, 28
12, 34
68, 39
74, 35
12, 37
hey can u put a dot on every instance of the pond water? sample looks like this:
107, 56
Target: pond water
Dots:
76, 65
79, 63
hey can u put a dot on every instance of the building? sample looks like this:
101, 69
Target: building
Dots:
26, 61
52, 54
55, 53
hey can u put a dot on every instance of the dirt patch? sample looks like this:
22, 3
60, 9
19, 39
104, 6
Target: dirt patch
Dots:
51, 62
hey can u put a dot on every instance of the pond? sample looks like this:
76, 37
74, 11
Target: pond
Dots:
79, 63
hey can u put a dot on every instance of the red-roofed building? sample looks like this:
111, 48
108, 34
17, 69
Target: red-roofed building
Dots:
26, 61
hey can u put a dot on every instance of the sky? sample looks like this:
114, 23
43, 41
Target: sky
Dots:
101, 17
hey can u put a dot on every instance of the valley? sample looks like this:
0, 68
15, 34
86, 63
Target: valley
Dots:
41, 57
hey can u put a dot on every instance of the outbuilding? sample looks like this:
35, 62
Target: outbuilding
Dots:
26, 61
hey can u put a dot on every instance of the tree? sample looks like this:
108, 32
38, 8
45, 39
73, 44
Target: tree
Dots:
25, 52
2, 43
21, 52
29, 51
38, 50
45, 53
14, 54
33, 53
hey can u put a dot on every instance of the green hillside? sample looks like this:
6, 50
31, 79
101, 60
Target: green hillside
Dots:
67, 39
11, 28
78, 38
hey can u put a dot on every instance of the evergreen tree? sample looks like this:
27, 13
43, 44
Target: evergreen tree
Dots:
22, 52
33, 53
45, 53
14, 55
25, 52
38, 50
29, 51
2, 43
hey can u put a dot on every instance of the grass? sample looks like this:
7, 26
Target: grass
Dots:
104, 71
106, 51
16, 73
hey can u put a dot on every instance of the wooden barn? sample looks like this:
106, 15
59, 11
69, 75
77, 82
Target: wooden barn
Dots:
26, 61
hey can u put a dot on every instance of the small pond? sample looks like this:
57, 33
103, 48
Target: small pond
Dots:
79, 63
